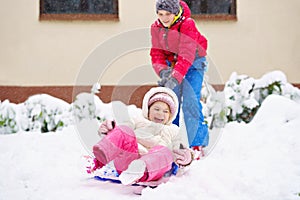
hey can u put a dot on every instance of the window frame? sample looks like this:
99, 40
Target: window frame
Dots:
77, 16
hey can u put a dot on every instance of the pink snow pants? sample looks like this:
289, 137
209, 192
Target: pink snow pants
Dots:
120, 145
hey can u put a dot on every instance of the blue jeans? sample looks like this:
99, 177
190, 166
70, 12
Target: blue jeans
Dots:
189, 94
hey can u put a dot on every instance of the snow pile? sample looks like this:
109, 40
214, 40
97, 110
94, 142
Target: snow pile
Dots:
259, 160
256, 160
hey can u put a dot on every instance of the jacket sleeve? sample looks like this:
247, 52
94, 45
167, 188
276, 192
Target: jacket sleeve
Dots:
171, 136
157, 54
177, 140
188, 45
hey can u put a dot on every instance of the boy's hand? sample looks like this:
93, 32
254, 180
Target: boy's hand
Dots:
106, 126
162, 82
171, 83
165, 73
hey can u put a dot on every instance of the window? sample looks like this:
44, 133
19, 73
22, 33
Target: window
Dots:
78, 9
213, 9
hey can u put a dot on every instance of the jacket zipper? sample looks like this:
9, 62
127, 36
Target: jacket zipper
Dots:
165, 36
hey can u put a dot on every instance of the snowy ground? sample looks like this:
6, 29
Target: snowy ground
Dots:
257, 161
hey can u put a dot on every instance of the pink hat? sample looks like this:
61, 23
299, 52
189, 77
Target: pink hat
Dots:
164, 97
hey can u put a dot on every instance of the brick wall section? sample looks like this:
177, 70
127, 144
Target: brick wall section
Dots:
126, 94
108, 93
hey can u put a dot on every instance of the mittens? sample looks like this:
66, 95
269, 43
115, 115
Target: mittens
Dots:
106, 126
183, 157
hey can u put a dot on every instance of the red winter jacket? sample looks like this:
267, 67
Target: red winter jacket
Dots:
177, 44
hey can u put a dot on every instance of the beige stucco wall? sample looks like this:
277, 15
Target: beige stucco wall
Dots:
265, 37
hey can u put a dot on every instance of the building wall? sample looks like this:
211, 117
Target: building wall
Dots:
47, 53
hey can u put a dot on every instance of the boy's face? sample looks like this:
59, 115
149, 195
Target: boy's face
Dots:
159, 112
165, 17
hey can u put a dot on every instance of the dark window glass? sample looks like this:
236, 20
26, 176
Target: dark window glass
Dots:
78, 8
218, 9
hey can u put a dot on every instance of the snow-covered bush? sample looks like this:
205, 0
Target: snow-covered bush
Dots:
88, 105
275, 83
239, 98
214, 108
8, 122
243, 95
45, 113
239, 101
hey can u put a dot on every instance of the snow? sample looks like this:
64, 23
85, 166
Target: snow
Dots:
270, 78
258, 160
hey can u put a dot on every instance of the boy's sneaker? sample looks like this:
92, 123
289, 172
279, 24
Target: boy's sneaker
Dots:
133, 173
198, 152
92, 164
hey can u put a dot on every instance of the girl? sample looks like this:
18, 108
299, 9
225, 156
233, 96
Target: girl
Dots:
144, 147
178, 57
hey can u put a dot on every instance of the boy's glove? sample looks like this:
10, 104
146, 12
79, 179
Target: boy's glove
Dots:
106, 126
183, 157
162, 82
164, 75
171, 83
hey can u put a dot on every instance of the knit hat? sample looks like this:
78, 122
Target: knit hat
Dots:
161, 94
171, 6
164, 98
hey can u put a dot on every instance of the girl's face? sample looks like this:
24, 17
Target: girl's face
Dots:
165, 17
159, 112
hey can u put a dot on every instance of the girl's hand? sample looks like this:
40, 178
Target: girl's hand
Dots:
106, 126
183, 157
